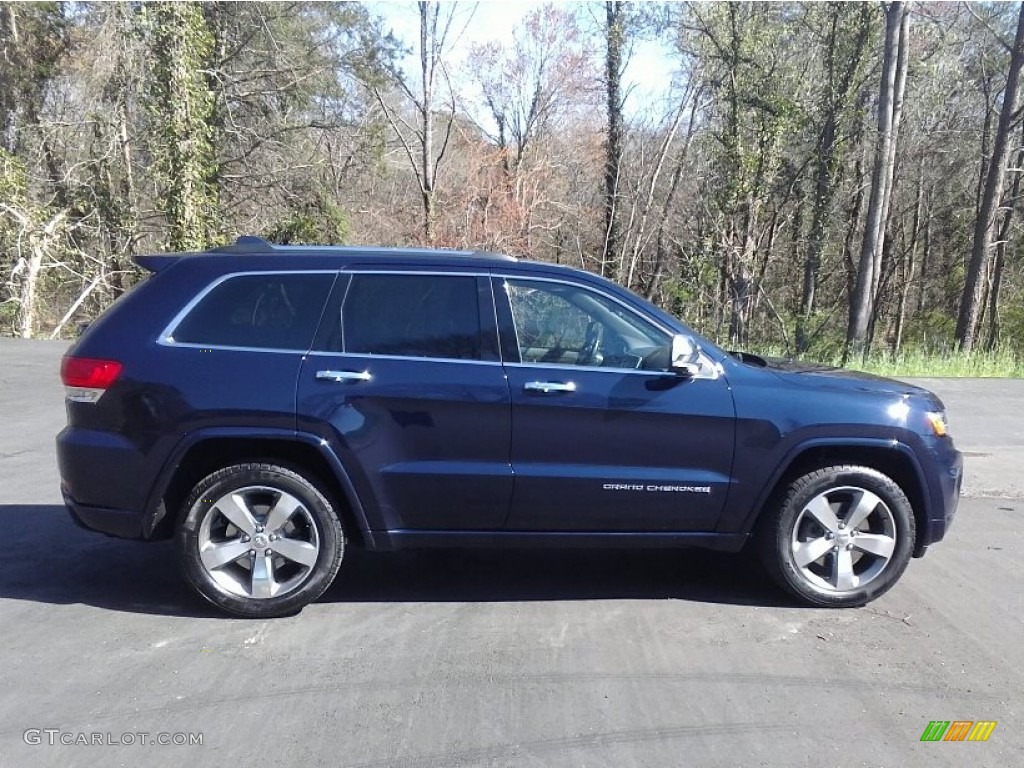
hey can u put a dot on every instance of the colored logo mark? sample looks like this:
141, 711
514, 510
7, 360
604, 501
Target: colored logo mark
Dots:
958, 730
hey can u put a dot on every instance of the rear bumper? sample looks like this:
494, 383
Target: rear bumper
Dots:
122, 523
102, 468
104, 481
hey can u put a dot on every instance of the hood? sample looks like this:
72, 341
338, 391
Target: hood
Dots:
817, 375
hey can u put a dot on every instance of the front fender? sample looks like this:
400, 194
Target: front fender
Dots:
744, 508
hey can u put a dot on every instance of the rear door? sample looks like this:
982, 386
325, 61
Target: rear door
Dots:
406, 384
604, 438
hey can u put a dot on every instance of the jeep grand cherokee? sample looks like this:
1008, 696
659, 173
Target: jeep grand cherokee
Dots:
269, 406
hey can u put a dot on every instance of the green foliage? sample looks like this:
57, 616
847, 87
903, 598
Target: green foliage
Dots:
12, 197
291, 104
20, 215
320, 222
180, 104
917, 361
8, 316
260, 117
369, 52
742, 47
33, 40
12, 178
930, 328
1013, 327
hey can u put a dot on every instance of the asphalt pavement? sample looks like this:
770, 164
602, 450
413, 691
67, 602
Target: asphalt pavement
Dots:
482, 658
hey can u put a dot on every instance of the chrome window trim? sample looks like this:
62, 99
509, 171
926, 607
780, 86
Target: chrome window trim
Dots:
585, 286
709, 368
368, 356
166, 337
229, 347
594, 368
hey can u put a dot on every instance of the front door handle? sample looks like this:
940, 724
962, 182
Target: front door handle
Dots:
343, 376
549, 387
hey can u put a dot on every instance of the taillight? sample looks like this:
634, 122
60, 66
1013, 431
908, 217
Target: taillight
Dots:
86, 378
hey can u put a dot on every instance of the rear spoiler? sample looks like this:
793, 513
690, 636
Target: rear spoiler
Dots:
157, 262
246, 244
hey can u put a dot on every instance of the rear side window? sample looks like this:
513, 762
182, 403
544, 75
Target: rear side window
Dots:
412, 316
260, 311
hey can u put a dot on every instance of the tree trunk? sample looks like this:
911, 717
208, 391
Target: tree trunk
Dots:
418, 140
29, 293
816, 236
926, 257
826, 160
985, 224
182, 105
911, 262
614, 38
897, 22
11, 106
1009, 206
426, 114
677, 173
641, 238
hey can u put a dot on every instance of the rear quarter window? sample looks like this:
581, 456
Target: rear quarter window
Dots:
259, 311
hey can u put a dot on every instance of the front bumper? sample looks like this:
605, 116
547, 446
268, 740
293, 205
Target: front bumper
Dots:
945, 485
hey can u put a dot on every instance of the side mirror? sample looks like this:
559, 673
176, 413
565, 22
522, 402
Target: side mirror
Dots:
685, 355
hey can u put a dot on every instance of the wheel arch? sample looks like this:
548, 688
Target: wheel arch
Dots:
892, 458
202, 453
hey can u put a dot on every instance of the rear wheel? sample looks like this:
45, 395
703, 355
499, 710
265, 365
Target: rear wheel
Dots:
839, 536
259, 540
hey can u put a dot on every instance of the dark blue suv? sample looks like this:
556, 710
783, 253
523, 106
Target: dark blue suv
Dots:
265, 406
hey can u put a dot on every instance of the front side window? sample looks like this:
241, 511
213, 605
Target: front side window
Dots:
425, 315
272, 311
563, 324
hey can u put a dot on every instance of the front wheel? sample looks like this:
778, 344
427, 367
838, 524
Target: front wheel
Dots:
839, 537
259, 540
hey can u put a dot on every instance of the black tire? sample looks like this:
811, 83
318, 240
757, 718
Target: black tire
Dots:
845, 575
312, 530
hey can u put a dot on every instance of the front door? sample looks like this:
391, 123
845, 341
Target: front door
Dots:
604, 438
405, 383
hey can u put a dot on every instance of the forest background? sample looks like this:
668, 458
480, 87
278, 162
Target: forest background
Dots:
827, 180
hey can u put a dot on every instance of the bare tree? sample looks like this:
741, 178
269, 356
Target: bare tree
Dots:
843, 50
1009, 205
894, 74
615, 35
532, 85
37, 238
986, 223
436, 28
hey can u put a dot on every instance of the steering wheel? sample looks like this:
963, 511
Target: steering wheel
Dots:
590, 354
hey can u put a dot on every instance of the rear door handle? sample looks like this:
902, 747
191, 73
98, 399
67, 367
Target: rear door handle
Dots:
343, 376
549, 387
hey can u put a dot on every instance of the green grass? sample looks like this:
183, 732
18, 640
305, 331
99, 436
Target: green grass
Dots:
923, 363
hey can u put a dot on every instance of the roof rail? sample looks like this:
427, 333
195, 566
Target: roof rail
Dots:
246, 244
